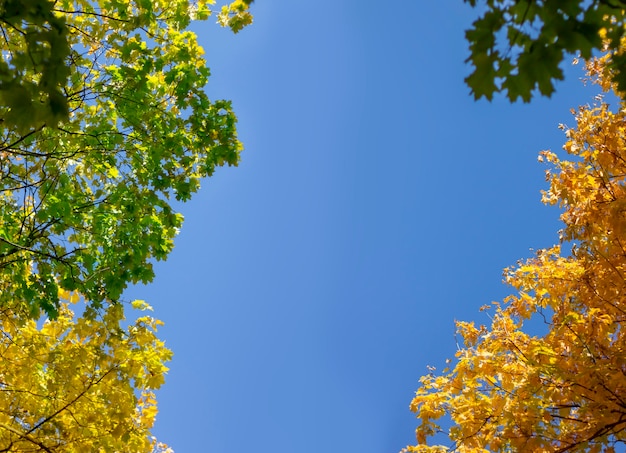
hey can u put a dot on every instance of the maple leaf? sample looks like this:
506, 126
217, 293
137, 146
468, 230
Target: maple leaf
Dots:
562, 391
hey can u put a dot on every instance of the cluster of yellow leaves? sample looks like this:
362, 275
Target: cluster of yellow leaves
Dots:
564, 391
80, 383
236, 15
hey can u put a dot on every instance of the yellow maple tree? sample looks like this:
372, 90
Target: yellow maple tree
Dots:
565, 390
80, 383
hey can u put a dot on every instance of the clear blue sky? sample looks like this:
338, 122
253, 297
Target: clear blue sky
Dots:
376, 203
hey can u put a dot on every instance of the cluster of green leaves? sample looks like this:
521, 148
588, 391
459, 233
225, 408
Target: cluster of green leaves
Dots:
33, 66
85, 202
516, 46
236, 16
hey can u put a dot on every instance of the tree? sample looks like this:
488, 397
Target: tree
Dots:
564, 391
104, 120
79, 383
41, 44
42, 50
517, 46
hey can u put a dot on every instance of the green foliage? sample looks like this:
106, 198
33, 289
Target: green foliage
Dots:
33, 67
236, 15
517, 46
105, 121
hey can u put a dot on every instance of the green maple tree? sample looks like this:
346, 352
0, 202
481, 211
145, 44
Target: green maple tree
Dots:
104, 121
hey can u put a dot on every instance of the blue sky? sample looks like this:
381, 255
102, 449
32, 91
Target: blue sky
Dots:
376, 202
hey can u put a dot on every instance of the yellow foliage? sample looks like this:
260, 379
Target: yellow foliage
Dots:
79, 384
236, 15
564, 391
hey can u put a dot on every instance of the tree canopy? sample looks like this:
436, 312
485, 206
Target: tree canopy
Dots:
105, 120
563, 391
517, 46
80, 383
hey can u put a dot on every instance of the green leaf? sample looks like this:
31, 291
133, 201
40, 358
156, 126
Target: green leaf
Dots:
87, 206
538, 36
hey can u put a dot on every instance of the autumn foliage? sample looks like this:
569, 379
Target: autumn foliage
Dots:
565, 390
79, 383
104, 120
